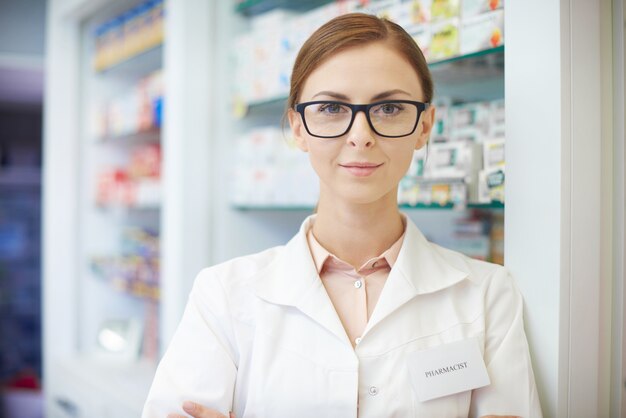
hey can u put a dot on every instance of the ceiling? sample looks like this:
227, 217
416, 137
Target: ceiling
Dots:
22, 40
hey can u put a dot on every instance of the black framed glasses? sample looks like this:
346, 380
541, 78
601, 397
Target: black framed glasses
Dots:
388, 118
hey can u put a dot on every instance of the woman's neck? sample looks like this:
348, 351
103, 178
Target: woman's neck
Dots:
358, 232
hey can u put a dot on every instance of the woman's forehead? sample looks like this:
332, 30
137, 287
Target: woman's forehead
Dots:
363, 71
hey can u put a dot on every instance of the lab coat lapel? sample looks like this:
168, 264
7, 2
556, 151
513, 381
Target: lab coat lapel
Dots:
292, 280
419, 269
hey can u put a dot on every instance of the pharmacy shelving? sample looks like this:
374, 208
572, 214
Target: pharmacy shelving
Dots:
255, 7
551, 80
434, 206
475, 76
471, 68
116, 179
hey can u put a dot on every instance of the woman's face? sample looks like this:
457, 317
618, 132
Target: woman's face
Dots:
362, 166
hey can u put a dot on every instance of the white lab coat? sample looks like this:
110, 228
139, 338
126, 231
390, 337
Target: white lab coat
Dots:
260, 336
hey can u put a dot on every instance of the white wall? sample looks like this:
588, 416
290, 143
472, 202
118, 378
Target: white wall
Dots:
618, 365
555, 187
533, 208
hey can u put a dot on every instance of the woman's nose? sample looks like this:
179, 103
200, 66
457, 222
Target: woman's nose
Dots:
360, 134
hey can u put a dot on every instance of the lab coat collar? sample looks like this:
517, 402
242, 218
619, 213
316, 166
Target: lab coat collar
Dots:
420, 269
292, 279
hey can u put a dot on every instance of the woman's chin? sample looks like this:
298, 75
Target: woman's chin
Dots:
356, 197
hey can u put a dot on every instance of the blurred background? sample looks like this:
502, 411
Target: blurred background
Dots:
141, 140
22, 45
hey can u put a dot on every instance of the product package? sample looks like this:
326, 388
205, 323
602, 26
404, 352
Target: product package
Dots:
272, 171
497, 125
445, 9
137, 110
445, 40
491, 185
470, 8
493, 153
470, 121
408, 191
450, 160
441, 126
481, 32
128, 34
410, 13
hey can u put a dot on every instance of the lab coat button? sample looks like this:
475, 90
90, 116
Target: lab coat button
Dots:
373, 390
357, 340
358, 284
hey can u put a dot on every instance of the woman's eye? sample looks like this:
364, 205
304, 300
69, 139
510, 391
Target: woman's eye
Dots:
390, 108
330, 108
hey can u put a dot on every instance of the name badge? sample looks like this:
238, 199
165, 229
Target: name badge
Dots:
447, 369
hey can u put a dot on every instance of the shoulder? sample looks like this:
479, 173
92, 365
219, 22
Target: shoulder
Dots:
480, 272
500, 294
235, 273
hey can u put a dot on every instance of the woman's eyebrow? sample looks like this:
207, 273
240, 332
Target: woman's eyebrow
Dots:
388, 93
333, 94
379, 96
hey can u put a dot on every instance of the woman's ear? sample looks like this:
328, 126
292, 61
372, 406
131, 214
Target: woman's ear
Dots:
297, 129
426, 123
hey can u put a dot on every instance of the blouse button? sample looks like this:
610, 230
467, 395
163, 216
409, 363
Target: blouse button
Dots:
373, 390
357, 340
358, 284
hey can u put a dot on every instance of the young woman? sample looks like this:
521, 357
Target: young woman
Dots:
358, 315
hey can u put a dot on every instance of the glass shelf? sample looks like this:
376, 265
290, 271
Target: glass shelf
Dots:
278, 208
477, 54
141, 137
487, 65
449, 206
255, 7
136, 66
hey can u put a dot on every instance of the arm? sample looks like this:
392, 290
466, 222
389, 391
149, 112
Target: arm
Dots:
200, 362
512, 390
199, 411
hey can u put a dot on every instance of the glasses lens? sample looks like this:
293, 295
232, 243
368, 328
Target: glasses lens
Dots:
327, 119
394, 118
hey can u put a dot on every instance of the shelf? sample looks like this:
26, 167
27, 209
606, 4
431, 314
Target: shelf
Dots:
139, 290
136, 66
124, 209
420, 206
142, 194
255, 7
482, 71
496, 205
278, 208
473, 55
486, 65
142, 137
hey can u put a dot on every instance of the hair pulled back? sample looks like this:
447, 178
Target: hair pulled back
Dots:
351, 30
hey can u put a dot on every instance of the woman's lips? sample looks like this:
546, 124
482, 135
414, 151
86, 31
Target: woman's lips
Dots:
361, 169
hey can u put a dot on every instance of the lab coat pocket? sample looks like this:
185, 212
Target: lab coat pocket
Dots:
292, 367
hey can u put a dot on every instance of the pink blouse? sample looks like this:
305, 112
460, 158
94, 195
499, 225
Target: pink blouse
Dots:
354, 293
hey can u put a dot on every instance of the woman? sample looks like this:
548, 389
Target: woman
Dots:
358, 315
